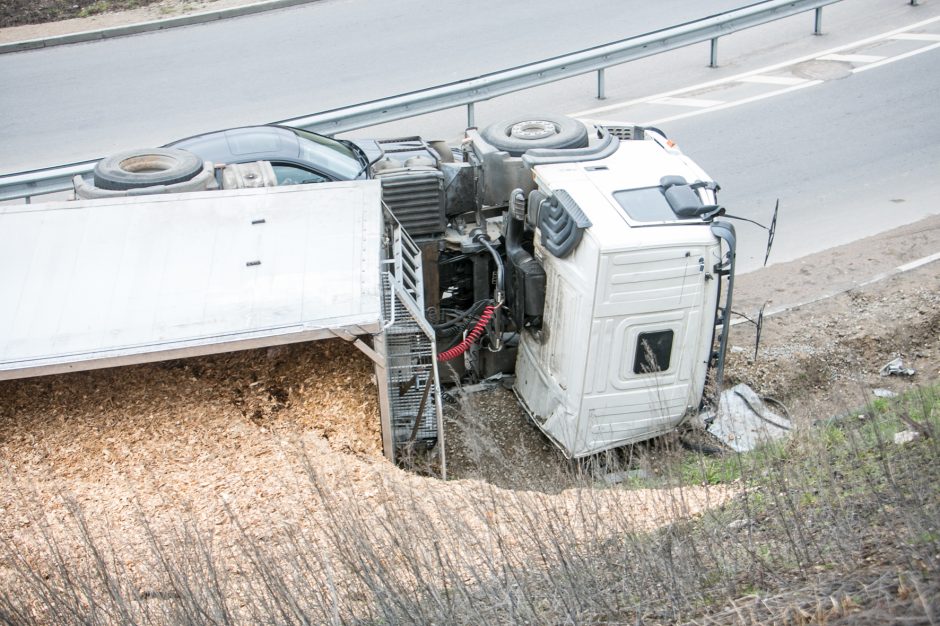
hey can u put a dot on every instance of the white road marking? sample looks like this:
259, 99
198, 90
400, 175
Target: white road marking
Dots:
896, 58
916, 36
919, 262
728, 105
763, 70
774, 80
851, 58
688, 102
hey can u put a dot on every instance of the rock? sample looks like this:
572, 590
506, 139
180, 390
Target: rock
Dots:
906, 436
896, 368
884, 393
738, 524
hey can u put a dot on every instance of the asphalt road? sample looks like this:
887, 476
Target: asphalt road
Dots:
87, 100
847, 159
850, 157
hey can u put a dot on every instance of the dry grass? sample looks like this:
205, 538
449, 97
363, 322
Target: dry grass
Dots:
19, 12
836, 524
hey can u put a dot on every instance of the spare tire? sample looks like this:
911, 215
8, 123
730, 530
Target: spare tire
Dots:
146, 168
518, 134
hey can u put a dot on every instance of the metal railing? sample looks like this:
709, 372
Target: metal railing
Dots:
409, 381
470, 91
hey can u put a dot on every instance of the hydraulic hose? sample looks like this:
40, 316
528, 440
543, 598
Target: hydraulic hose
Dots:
500, 271
471, 337
500, 287
474, 309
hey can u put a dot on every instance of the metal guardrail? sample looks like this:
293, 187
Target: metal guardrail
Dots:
488, 86
485, 87
39, 182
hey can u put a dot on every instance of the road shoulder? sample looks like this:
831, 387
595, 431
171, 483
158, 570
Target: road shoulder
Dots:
837, 317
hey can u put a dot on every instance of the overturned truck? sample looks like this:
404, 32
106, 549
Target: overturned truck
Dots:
585, 259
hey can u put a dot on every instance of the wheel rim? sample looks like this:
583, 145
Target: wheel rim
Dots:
533, 129
147, 164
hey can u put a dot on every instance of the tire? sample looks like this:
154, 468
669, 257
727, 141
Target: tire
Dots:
146, 168
518, 134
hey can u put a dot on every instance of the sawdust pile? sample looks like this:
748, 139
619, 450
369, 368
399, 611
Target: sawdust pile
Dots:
182, 435
248, 444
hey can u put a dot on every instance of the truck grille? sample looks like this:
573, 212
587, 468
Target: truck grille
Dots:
625, 133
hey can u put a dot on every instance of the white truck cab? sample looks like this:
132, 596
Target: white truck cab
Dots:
626, 338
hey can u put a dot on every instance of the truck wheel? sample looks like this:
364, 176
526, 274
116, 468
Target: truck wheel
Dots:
518, 134
146, 168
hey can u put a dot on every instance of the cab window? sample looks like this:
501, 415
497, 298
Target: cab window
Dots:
293, 175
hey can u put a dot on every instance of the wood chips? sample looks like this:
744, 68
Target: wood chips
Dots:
256, 436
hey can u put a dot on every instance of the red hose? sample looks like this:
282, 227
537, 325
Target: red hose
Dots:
474, 334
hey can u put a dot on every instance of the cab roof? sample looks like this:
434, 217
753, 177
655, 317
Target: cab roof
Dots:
624, 189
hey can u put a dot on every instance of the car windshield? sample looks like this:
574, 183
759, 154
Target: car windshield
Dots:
328, 153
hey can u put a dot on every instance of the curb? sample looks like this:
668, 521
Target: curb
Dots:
146, 27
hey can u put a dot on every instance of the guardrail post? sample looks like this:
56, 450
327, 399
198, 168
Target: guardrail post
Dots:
471, 118
817, 28
601, 85
713, 61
